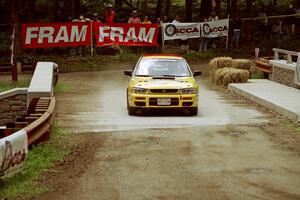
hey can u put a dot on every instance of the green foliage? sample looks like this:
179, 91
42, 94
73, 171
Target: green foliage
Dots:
40, 158
5, 41
257, 75
195, 56
11, 85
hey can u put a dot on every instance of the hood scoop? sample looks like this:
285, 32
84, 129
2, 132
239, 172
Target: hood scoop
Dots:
164, 77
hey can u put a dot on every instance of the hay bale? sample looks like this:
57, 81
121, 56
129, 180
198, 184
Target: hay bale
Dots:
224, 76
241, 64
220, 62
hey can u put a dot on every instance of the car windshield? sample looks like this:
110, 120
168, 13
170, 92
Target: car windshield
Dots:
163, 67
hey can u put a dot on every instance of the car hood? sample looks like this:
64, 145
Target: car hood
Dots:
177, 83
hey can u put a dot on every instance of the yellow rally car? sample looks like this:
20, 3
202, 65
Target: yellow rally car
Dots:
162, 81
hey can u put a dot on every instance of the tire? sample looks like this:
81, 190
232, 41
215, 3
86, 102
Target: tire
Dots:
193, 111
131, 110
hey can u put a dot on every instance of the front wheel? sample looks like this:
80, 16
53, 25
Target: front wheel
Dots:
193, 111
131, 110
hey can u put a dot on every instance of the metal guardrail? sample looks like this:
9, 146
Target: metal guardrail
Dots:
40, 129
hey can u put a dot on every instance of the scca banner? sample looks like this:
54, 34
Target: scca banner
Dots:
13, 153
174, 31
126, 34
215, 29
41, 35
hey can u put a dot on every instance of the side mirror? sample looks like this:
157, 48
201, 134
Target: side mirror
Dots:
197, 73
128, 72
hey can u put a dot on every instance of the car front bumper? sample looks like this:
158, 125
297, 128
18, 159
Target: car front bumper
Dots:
152, 100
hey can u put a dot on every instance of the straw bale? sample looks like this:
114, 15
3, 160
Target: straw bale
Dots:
220, 62
224, 76
241, 64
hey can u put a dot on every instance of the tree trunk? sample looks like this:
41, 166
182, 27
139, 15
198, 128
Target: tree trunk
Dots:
167, 8
218, 7
15, 20
69, 8
31, 10
248, 23
14, 11
118, 4
77, 8
188, 10
145, 5
233, 9
205, 8
158, 8
274, 5
228, 6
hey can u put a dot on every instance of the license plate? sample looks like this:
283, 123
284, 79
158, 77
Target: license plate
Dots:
163, 102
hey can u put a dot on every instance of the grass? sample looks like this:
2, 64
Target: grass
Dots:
196, 56
257, 75
40, 158
74, 63
64, 87
9, 86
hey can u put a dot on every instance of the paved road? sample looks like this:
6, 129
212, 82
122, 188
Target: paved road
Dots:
223, 153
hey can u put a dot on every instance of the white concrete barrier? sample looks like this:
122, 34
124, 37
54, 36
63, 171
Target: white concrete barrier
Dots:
288, 66
41, 84
283, 64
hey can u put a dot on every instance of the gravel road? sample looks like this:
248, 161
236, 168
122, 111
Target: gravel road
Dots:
231, 150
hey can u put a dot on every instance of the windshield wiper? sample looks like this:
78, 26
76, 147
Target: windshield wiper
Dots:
141, 75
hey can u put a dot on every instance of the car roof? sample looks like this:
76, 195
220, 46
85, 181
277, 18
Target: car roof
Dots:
162, 56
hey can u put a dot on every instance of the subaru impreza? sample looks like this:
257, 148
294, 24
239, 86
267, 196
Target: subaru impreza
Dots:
161, 82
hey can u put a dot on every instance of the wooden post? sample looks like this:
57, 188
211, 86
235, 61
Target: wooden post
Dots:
227, 38
92, 42
14, 72
19, 67
162, 35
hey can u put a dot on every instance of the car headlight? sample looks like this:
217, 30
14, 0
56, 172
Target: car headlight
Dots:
137, 90
188, 91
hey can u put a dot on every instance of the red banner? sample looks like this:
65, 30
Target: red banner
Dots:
126, 34
41, 35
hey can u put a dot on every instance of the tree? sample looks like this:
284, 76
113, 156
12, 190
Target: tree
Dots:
15, 10
118, 4
158, 8
232, 8
205, 8
218, 7
167, 8
31, 10
71, 8
188, 10
145, 5
248, 23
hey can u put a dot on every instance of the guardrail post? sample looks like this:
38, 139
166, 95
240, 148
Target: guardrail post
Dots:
289, 58
276, 56
19, 67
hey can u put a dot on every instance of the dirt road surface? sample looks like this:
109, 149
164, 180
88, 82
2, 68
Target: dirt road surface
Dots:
231, 150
